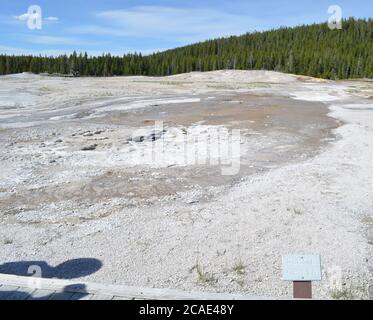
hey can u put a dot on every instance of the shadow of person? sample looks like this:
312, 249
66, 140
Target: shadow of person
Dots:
71, 292
70, 269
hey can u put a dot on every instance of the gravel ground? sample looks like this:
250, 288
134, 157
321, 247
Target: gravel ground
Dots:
305, 185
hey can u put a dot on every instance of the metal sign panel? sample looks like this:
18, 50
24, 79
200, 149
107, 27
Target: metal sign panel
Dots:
301, 268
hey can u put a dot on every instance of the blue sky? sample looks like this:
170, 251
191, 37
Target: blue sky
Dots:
119, 27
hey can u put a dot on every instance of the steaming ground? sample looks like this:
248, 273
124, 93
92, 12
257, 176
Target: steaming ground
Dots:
76, 180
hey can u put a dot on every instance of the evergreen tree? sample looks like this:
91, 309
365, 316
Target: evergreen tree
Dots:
312, 50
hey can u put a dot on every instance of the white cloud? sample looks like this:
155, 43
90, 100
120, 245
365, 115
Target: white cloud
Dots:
52, 19
23, 17
96, 30
22, 51
11, 50
26, 16
54, 52
52, 40
60, 40
177, 24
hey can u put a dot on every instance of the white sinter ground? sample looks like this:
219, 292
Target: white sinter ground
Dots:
222, 238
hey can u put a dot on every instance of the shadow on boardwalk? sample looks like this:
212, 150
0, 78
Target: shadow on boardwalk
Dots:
70, 269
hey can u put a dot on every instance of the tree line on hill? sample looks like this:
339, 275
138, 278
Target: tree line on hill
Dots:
313, 50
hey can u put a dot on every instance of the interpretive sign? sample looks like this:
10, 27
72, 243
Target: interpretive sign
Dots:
301, 268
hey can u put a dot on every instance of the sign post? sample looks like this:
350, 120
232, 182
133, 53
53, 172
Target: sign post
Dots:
301, 270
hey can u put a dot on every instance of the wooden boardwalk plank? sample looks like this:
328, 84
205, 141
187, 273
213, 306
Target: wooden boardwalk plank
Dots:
101, 297
8, 287
121, 298
41, 294
14, 293
81, 296
62, 296
22, 294
7, 291
48, 288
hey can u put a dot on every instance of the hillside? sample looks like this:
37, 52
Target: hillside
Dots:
312, 50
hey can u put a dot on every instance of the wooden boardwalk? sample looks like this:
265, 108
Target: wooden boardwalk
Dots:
30, 288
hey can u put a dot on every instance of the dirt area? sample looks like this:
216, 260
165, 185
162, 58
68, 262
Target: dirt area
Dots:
87, 172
